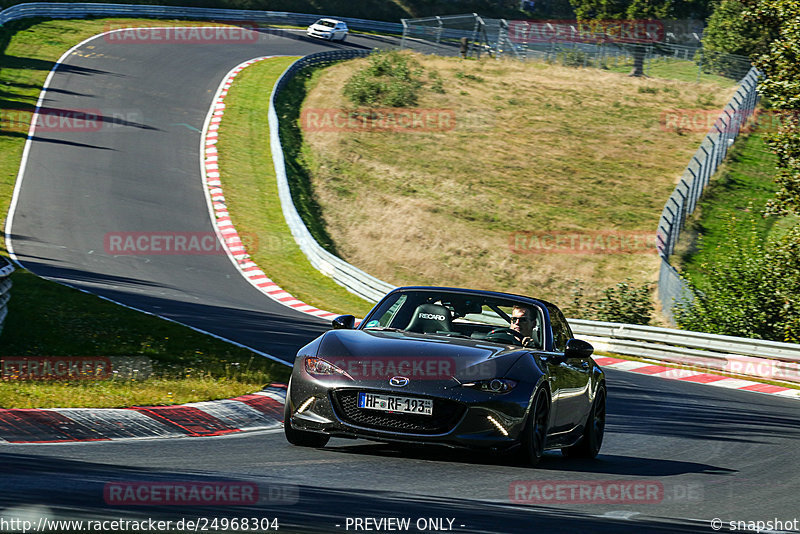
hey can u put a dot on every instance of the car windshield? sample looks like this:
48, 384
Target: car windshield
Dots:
454, 314
326, 23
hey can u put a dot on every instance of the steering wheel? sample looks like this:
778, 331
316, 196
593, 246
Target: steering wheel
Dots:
505, 335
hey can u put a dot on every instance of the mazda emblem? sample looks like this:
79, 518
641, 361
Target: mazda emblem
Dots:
398, 381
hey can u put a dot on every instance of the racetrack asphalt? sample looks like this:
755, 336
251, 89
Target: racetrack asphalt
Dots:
140, 172
713, 452
709, 453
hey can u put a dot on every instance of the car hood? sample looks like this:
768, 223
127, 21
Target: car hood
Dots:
375, 356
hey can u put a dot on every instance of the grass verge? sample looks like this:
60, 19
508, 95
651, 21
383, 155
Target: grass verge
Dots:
46, 319
251, 193
50, 320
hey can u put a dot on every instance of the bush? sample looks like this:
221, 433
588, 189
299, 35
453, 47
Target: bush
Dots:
751, 289
391, 79
575, 58
622, 303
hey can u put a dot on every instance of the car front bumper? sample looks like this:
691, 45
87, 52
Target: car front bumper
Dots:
320, 34
469, 419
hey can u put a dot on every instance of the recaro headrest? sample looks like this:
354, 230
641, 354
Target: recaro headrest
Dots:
430, 318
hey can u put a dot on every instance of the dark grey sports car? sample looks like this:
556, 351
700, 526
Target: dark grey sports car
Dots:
457, 367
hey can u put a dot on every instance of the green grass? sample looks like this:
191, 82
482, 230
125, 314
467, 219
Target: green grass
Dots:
251, 193
51, 320
672, 69
48, 319
740, 189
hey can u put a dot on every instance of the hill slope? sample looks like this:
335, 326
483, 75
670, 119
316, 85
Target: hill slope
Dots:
537, 152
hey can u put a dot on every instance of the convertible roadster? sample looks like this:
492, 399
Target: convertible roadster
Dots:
456, 367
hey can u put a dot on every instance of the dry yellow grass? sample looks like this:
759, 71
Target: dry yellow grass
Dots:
536, 148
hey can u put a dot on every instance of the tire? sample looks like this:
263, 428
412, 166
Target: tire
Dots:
301, 438
593, 431
535, 433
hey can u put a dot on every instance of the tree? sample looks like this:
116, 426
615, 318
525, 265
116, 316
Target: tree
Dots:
730, 32
752, 285
730, 37
780, 64
751, 289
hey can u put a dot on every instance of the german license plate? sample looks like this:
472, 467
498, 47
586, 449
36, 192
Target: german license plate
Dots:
392, 403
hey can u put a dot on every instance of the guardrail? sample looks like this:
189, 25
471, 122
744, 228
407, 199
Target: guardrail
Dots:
683, 201
742, 356
6, 268
63, 10
353, 279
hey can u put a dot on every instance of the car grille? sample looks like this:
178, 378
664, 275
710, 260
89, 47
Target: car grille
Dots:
446, 414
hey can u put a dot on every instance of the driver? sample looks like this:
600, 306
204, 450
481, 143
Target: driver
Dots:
522, 324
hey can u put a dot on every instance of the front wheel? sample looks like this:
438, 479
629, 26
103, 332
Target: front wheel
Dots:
593, 431
535, 433
301, 438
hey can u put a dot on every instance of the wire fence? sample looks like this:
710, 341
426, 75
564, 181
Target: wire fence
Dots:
567, 43
661, 60
672, 289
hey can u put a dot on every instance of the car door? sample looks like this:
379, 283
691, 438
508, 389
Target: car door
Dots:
571, 378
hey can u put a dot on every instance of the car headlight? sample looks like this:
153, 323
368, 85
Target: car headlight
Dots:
495, 385
319, 367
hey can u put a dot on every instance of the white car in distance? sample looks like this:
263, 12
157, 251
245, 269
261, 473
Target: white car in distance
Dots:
330, 29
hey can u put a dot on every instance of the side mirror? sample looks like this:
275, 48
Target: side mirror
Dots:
345, 322
578, 348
